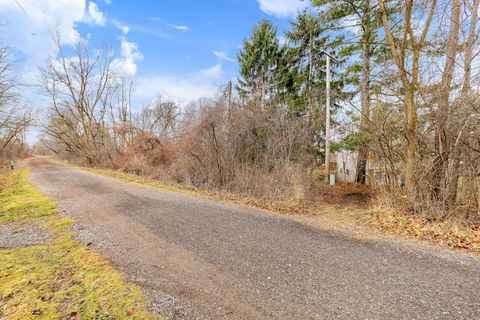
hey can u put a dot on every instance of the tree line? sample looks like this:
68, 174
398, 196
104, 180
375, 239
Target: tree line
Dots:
404, 97
14, 117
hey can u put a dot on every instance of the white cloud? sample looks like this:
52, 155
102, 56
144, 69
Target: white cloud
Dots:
130, 49
119, 25
179, 27
31, 31
223, 56
214, 72
127, 64
149, 31
283, 8
182, 89
125, 29
94, 16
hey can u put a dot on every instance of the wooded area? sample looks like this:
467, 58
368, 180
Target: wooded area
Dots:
13, 117
405, 97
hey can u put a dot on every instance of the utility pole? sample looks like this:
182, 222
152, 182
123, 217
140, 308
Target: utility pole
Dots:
229, 88
327, 124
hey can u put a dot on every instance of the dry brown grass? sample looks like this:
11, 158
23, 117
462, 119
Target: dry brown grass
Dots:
392, 215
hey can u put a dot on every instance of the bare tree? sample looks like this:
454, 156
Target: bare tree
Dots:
159, 118
441, 138
406, 47
81, 89
471, 43
121, 114
13, 119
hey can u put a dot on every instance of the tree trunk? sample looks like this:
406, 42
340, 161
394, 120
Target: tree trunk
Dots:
310, 71
478, 193
442, 147
411, 136
365, 99
468, 56
452, 181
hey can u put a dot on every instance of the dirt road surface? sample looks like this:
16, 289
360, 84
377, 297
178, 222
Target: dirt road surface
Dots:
197, 259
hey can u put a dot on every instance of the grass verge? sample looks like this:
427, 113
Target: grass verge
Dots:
287, 206
60, 279
20, 201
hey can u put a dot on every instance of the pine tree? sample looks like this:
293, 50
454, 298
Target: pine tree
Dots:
368, 22
303, 79
307, 43
258, 60
308, 40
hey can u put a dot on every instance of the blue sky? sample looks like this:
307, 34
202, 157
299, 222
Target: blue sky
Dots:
179, 49
182, 36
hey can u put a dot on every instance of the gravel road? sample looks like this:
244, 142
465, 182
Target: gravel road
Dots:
197, 259
22, 234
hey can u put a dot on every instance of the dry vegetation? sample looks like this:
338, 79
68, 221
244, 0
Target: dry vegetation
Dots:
14, 118
412, 97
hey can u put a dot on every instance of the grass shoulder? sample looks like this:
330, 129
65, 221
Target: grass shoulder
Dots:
60, 278
284, 206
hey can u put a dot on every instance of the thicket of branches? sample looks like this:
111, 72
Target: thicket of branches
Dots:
14, 120
405, 96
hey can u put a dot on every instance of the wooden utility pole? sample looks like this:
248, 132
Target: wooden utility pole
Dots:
229, 89
229, 93
327, 124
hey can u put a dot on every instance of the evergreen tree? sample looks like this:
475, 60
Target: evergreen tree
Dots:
301, 79
308, 40
258, 60
365, 16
